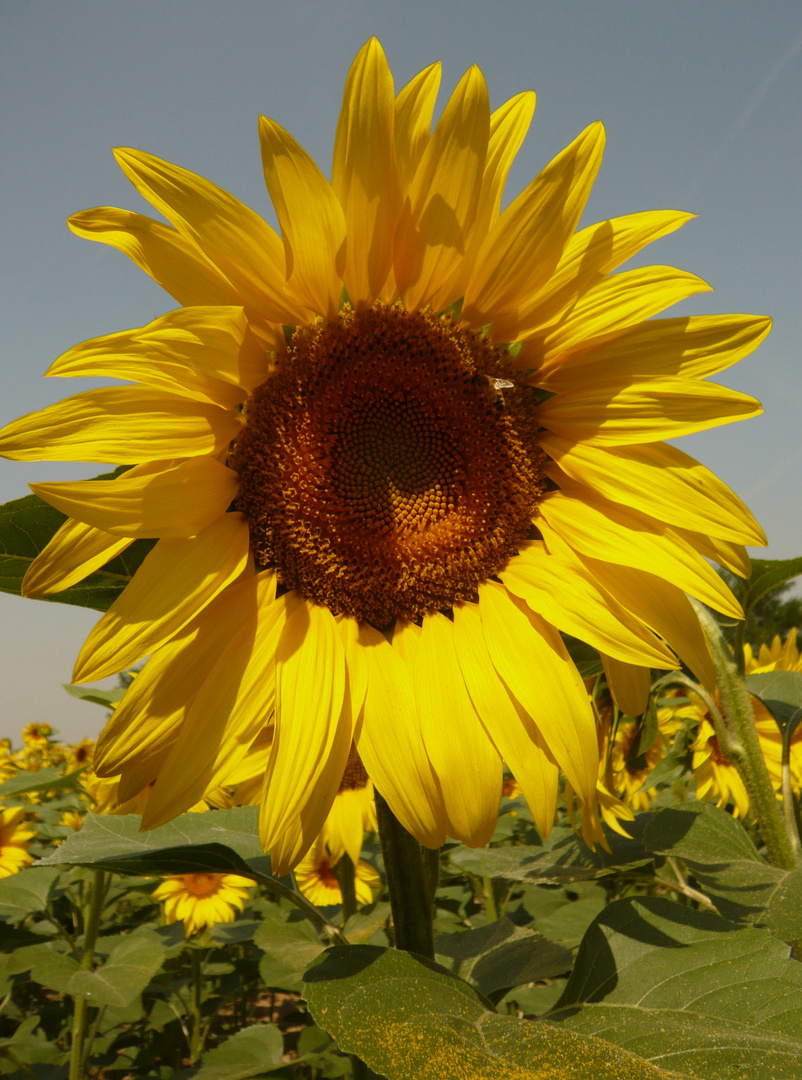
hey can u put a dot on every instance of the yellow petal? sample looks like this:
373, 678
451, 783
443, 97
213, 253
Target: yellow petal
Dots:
567, 596
344, 828
389, 741
615, 304
512, 730
313, 726
661, 481
588, 256
176, 580
530, 657
231, 236
231, 707
724, 552
162, 252
364, 176
440, 210
72, 554
613, 533
180, 501
311, 220
467, 764
120, 424
204, 352
413, 120
662, 606
612, 414
524, 245
695, 347
628, 684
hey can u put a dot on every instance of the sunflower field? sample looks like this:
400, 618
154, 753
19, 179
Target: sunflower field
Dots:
438, 749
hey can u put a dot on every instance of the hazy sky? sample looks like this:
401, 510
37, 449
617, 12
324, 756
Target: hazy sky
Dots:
701, 102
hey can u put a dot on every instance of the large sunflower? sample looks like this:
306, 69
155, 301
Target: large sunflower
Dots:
388, 457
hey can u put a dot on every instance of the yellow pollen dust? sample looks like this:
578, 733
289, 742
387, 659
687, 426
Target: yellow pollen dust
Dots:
383, 474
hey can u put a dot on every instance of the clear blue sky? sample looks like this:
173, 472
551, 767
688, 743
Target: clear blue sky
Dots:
702, 105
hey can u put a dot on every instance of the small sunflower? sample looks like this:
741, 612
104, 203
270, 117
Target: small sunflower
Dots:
202, 900
317, 880
716, 776
388, 457
15, 836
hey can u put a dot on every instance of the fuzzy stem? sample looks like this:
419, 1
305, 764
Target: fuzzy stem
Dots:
409, 885
742, 746
81, 1013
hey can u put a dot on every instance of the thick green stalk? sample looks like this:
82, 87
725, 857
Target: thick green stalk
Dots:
81, 1013
408, 883
737, 735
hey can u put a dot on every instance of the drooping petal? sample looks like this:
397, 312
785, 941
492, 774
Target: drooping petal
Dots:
121, 424
664, 607
178, 266
72, 554
694, 347
204, 352
628, 684
230, 235
568, 597
588, 256
613, 533
234, 702
658, 480
180, 501
530, 657
467, 764
440, 210
389, 740
364, 175
311, 219
615, 414
524, 245
176, 580
724, 552
512, 729
313, 725
413, 120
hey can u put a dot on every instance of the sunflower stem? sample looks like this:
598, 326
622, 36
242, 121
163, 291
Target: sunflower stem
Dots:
346, 875
94, 908
196, 1042
742, 745
408, 882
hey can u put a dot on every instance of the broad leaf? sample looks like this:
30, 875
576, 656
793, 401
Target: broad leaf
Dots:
409, 1019
496, 957
724, 861
26, 893
42, 780
688, 989
106, 698
251, 1052
131, 964
27, 526
290, 945
767, 574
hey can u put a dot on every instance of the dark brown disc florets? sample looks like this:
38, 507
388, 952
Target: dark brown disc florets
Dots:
383, 473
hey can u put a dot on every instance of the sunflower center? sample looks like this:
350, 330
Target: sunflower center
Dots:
383, 471
202, 885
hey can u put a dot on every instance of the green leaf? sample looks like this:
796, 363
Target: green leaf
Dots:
409, 1019
767, 574
42, 780
728, 868
364, 923
496, 957
251, 1052
290, 945
585, 657
26, 893
217, 842
131, 964
688, 989
106, 698
781, 693
29, 1047
562, 858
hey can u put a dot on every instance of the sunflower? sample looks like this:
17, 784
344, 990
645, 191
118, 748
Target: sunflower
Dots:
202, 900
317, 880
15, 836
387, 458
